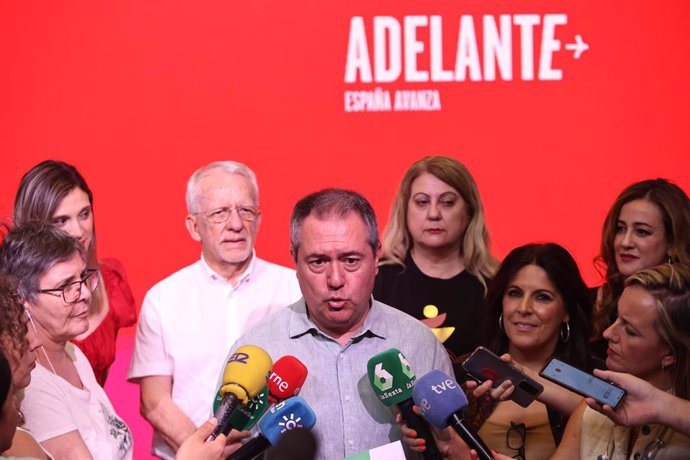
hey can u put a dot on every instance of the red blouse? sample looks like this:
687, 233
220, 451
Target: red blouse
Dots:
99, 346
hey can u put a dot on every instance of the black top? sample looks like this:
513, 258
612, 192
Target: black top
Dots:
459, 302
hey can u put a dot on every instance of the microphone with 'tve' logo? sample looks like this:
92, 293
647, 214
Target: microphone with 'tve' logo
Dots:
442, 402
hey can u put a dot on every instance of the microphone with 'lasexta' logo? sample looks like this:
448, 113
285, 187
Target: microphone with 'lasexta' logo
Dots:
442, 402
392, 380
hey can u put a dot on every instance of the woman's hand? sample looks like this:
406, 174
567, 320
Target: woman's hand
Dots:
410, 436
449, 444
497, 455
196, 447
500, 393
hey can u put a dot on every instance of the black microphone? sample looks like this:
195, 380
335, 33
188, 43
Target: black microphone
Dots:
297, 444
441, 402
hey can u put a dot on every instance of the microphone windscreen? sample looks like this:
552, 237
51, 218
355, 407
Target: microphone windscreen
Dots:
286, 379
287, 415
297, 444
438, 397
246, 372
245, 417
391, 376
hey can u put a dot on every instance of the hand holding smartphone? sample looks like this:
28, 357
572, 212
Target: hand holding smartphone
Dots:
484, 365
583, 383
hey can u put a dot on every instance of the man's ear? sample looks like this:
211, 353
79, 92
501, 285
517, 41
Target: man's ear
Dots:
192, 227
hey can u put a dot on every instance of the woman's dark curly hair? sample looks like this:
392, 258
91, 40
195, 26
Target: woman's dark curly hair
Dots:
13, 327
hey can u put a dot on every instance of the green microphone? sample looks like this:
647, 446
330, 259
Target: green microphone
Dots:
245, 417
392, 380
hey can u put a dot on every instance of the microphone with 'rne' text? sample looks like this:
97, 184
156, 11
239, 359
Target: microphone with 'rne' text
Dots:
285, 380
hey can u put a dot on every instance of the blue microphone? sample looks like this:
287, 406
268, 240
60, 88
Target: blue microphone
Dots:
442, 402
281, 418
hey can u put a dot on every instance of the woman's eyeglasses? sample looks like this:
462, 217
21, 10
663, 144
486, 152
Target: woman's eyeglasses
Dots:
71, 292
515, 439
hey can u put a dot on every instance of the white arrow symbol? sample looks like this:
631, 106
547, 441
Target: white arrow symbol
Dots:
579, 47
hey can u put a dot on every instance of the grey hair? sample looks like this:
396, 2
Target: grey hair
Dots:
230, 167
330, 202
30, 250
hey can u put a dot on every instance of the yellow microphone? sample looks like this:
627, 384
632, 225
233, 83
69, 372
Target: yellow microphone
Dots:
244, 377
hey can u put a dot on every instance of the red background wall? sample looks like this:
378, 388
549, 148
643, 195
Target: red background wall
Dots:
139, 94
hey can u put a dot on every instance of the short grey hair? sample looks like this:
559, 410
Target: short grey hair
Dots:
330, 202
230, 167
30, 250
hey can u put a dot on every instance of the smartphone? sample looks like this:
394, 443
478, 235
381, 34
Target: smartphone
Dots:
484, 365
583, 383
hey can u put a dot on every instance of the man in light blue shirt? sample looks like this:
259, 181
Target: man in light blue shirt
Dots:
337, 326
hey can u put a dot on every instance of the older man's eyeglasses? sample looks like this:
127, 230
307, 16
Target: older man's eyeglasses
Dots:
71, 292
515, 439
220, 215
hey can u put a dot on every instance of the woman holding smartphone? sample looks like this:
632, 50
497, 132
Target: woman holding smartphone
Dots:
537, 306
649, 339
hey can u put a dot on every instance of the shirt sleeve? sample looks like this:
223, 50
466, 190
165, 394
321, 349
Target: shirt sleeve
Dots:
119, 293
149, 356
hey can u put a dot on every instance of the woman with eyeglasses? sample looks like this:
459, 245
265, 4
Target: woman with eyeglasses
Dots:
66, 410
537, 307
649, 339
54, 192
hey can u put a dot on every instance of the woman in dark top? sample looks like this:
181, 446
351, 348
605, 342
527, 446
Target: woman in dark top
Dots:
648, 224
436, 257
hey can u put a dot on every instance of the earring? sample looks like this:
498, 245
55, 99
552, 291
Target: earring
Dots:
500, 323
565, 336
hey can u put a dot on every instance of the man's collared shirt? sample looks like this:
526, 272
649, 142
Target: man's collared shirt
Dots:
349, 416
189, 321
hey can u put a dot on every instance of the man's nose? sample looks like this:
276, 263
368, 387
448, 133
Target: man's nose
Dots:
335, 276
234, 221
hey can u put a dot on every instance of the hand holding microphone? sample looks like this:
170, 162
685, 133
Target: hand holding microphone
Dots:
287, 415
243, 378
442, 402
392, 379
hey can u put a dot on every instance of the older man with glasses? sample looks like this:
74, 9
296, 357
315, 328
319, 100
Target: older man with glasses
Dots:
189, 320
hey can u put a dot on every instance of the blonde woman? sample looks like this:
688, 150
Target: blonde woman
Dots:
436, 258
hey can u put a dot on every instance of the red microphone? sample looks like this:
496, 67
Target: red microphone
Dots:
286, 379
